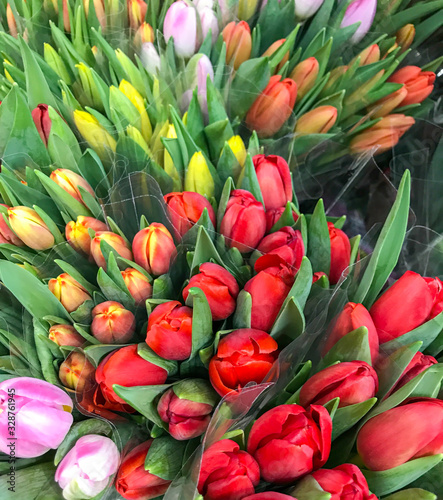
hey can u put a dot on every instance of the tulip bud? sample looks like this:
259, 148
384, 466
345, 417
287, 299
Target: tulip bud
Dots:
138, 285
436, 287
317, 121
6, 233
274, 179
43, 412
418, 83
274, 215
334, 77
305, 9
387, 104
99, 7
77, 233
272, 107
363, 12
10, 19
66, 335
76, 473
198, 178
186, 407
238, 43
283, 240
340, 253
136, 13
198, 70
30, 228
181, 24
68, 291
139, 103
419, 363
238, 148
150, 58
42, 121
133, 481
112, 323
116, 241
304, 435
94, 134
305, 75
185, 209
76, 371
368, 56
273, 48
144, 34
70, 182
209, 21
405, 36
56, 63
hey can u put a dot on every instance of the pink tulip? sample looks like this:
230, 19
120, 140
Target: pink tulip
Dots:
363, 12
181, 24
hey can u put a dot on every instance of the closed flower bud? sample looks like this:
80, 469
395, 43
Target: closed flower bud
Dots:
238, 43
136, 13
144, 34
273, 48
116, 241
10, 19
334, 77
144, 124
317, 121
154, 248
340, 253
198, 178
242, 356
387, 104
30, 228
209, 22
6, 234
138, 285
244, 221
418, 83
419, 363
274, 179
268, 495
150, 58
368, 56
246, 9
66, 335
112, 323
77, 233
307, 8
363, 12
405, 36
220, 289
238, 148
285, 242
273, 216
90, 95
71, 182
305, 75
76, 371
94, 134
42, 121
68, 291
181, 24
99, 7
272, 107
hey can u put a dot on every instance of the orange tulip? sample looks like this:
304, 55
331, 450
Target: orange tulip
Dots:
238, 43
68, 291
273, 48
70, 182
76, 371
138, 285
405, 36
66, 335
368, 56
116, 241
418, 83
305, 75
318, 121
384, 106
77, 233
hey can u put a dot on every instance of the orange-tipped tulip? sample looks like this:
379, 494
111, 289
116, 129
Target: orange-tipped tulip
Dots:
116, 241
318, 121
418, 83
71, 182
136, 13
77, 233
405, 36
305, 75
30, 228
368, 56
6, 234
10, 19
66, 335
112, 323
76, 371
273, 48
238, 43
68, 291
138, 285
154, 248
144, 34
272, 107
99, 7
384, 106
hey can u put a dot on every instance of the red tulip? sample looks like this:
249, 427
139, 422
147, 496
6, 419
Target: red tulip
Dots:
340, 253
138, 285
133, 482
353, 382
317, 276
112, 323
244, 221
279, 242
42, 121
227, 473
269, 289
273, 216
76, 371
345, 482
275, 180
125, 367
436, 286
269, 495
153, 249
289, 442
242, 356
169, 331
116, 241
407, 304
220, 289
419, 363
411, 430
77, 233
352, 317
418, 83
185, 209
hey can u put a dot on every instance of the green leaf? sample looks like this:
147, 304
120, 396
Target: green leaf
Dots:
202, 334
242, 315
348, 416
248, 179
99, 351
319, 245
165, 457
309, 489
302, 285
149, 355
352, 347
412, 494
289, 324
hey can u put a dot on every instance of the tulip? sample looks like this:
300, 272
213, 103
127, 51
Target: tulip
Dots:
334, 77
150, 58
12, 23
144, 124
93, 133
243, 356
246, 9
181, 24
169, 332
238, 148
133, 481
68, 291
272, 49
220, 289
285, 241
185, 412
91, 91
116, 241
42, 416
272, 107
112, 323
70, 182
302, 437
387, 104
66, 335
305, 9
412, 430
269, 289
353, 382
137, 284
86, 470
99, 7
76, 371
318, 276
363, 12
340, 253
227, 473
419, 363
209, 22
78, 236
436, 286
186, 208
342, 481
352, 317
136, 13
305, 75
154, 248
405, 36
269, 495
198, 70
368, 56
42, 121
198, 177
317, 121
144, 34
244, 221
274, 215
406, 305
114, 370
274, 179
238, 43
418, 83
6, 233
30, 228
